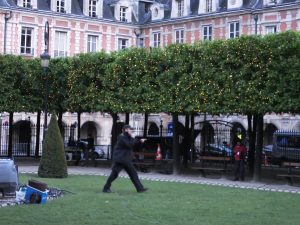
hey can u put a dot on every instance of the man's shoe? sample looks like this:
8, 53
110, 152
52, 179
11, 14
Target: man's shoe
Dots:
105, 190
142, 190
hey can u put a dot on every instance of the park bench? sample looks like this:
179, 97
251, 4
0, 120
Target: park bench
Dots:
143, 161
289, 176
207, 163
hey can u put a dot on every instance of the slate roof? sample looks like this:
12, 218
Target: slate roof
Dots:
144, 14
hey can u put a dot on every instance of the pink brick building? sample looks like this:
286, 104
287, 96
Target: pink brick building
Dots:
79, 26
92, 25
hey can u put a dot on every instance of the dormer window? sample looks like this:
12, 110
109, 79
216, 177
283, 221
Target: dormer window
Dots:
123, 13
60, 6
180, 8
208, 6
270, 2
27, 4
30, 4
92, 8
158, 11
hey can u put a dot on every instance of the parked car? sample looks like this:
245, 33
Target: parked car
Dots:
99, 152
286, 146
267, 150
216, 150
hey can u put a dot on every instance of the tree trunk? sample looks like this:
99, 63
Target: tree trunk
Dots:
176, 157
146, 125
78, 125
251, 150
259, 147
38, 133
127, 118
192, 138
60, 122
10, 137
114, 131
186, 141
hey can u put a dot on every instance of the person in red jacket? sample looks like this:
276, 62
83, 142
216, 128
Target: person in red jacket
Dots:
239, 152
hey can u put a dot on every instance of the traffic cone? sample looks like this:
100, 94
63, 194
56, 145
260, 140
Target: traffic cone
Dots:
158, 153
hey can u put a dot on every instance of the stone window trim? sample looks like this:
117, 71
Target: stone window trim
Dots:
234, 29
180, 8
208, 5
123, 43
156, 39
179, 35
27, 40
271, 29
92, 42
123, 13
207, 32
61, 43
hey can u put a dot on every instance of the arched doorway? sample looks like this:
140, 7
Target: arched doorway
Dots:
214, 137
89, 129
204, 136
22, 138
268, 133
153, 129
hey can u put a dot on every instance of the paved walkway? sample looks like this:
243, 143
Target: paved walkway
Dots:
273, 186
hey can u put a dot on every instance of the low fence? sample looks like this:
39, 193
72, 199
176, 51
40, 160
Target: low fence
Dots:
25, 140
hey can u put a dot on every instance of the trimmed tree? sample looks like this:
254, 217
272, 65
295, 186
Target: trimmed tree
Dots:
53, 162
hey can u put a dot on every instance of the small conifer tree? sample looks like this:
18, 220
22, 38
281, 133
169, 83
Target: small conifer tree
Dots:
53, 161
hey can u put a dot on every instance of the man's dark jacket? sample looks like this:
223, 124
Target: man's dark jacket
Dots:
123, 149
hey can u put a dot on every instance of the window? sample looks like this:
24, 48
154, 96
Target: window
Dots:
272, 2
60, 49
179, 36
234, 29
156, 40
180, 7
92, 45
207, 32
208, 5
27, 40
60, 6
123, 12
271, 29
27, 4
122, 43
92, 8
288, 141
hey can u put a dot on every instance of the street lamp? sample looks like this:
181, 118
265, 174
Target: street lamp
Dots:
255, 17
45, 59
161, 128
137, 33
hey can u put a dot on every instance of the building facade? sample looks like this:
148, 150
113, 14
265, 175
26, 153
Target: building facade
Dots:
79, 26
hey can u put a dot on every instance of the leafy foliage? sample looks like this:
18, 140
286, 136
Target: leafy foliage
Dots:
247, 75
85, 82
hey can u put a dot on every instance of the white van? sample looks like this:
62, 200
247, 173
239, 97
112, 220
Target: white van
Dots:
286, 146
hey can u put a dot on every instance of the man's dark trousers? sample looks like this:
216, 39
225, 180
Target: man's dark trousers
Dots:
129, 168
239, 170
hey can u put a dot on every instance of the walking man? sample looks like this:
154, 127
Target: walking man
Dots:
240, 152
122, 159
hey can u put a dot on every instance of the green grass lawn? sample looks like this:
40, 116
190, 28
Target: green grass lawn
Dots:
164, 204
